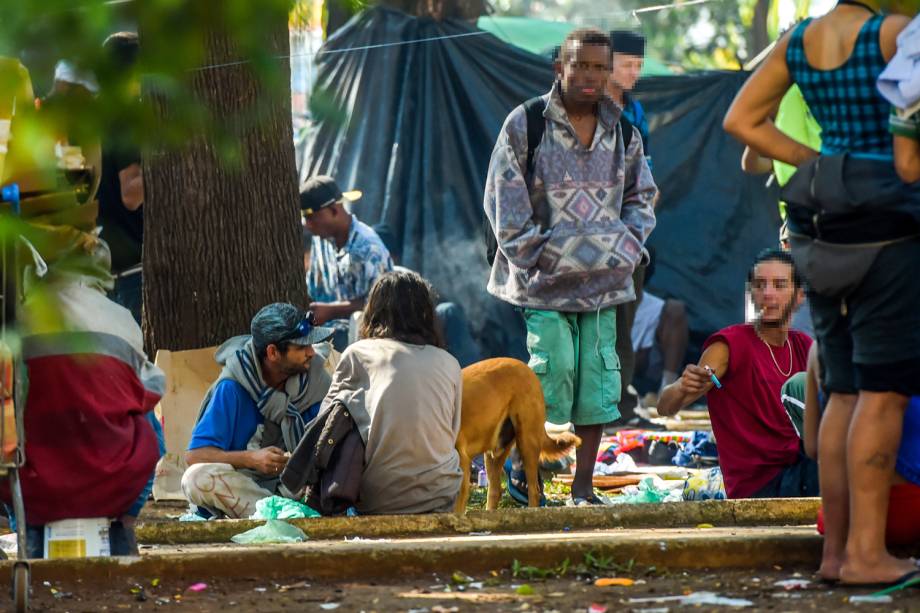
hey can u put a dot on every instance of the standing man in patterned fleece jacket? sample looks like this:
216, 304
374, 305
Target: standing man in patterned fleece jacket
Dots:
569, 237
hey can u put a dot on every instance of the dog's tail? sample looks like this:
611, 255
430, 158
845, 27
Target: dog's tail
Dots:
558, 445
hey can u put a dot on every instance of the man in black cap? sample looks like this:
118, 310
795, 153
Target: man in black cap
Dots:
628, 50
271, 386
346, 258
628, 53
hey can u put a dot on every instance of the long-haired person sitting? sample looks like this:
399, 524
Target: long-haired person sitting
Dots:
411, 388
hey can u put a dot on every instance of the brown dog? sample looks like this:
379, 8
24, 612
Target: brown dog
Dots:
503, 405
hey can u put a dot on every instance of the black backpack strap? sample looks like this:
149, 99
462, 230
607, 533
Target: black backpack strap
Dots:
627, 128
536, 126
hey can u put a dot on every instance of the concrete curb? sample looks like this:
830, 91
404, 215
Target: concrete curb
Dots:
405, 558
720, 513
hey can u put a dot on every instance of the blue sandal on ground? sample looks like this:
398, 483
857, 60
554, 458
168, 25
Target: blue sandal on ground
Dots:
517, 485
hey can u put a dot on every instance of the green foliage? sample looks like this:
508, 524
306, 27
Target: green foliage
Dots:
176, 58
717, 34
593, 564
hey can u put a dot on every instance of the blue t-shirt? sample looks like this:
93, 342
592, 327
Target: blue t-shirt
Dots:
230, 420
909, 454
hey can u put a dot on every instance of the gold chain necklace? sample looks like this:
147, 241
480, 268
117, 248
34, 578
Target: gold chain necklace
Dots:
775, 363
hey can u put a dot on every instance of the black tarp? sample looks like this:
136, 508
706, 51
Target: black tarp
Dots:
412, 125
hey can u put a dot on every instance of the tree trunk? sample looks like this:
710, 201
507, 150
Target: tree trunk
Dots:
223, 239
759, 37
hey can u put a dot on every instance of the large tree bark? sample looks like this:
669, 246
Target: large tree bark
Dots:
223, 239
759, 36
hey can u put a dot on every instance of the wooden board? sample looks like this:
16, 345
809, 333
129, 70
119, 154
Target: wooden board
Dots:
603, 482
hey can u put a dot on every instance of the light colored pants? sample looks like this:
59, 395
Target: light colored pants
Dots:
220, 488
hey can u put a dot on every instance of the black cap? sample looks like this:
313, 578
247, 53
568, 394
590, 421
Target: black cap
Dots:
283, 322
322, 191
628, 42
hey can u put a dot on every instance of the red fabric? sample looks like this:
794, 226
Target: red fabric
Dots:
903, 510
89, 448
753, 432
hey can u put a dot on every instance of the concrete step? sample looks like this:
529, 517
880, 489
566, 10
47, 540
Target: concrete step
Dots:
343, 560
721, 513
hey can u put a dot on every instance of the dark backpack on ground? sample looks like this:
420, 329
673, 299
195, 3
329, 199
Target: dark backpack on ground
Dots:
536, 126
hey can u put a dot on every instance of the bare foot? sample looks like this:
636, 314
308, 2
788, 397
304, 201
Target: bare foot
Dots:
831, 560
830, 568
875, 569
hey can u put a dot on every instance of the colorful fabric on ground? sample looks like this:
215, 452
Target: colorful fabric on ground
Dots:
90, 449
756, 440
347, 274
594, 203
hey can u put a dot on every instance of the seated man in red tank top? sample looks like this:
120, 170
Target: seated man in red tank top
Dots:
760, 451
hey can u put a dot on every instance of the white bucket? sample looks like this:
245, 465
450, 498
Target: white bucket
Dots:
77, 538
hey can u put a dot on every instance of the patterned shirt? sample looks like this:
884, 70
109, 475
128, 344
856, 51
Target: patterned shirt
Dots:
347, 274
570, 240
851, 112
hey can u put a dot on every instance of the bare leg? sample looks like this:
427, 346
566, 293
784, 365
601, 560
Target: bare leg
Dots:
672, 335
872, 446
585, 457
832, 473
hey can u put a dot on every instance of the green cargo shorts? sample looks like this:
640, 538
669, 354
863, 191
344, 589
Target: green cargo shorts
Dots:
574, 356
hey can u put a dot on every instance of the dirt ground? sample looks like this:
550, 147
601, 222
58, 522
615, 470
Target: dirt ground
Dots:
501, 591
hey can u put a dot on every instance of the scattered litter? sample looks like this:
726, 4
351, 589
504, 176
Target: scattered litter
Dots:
329, 606
440, 609
654, 610
705, 526
793, 584
476, 585
788, 595
294, 586
279, 507
460, 578
197, 587
422, 610
597, 608
155, 583
9, 545
191, 517
46, 583
696, 598
260, 589
662, 546
614, 582
486, 533
873, 599
272, 531
524, 590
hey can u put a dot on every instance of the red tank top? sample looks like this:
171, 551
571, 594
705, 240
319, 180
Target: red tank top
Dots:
753, 432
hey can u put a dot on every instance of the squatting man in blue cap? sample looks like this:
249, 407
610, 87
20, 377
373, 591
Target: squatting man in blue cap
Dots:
252, 418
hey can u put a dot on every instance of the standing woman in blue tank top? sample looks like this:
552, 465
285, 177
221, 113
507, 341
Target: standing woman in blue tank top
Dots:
871, 363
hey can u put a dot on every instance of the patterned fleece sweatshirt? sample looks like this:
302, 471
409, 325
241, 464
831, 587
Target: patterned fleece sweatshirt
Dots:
595, 205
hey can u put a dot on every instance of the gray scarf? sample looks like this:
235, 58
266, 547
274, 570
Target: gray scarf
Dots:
281, 408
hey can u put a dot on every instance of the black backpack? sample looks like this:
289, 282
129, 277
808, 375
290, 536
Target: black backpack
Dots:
536, 126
